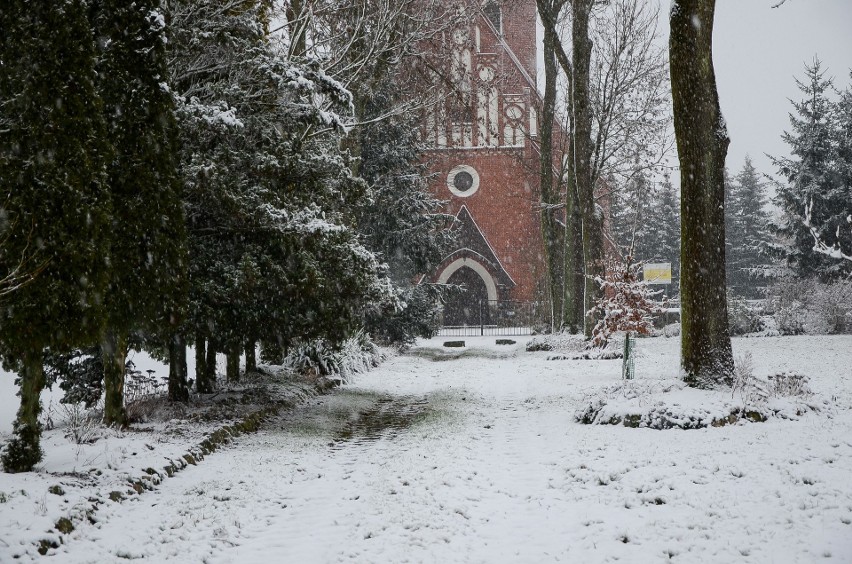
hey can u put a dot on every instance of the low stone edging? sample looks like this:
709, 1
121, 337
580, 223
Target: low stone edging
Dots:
152, 477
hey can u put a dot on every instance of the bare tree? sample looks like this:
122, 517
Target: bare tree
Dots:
617, 119
702, 143
630, 91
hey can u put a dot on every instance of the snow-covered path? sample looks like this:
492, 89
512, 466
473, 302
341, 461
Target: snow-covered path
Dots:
478, 459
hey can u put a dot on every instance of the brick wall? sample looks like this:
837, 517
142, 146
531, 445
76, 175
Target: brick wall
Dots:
505, 207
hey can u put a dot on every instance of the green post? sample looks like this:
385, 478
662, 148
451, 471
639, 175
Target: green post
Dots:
627, 370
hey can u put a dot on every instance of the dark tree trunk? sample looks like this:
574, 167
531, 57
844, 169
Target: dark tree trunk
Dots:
554, 244
582, 161
232, 363
574, 278
251, 356
297, 28
203, 385
23, 452
702, 144
210, 364
178, 387
114, 354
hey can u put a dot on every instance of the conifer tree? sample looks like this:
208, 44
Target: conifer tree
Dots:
147, 252
401, 220
268, 191
52, 168
747, 232
813, 176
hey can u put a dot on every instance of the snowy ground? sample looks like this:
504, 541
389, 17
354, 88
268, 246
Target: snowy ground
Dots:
436, 457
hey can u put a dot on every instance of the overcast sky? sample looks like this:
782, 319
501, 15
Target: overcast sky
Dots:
757, 51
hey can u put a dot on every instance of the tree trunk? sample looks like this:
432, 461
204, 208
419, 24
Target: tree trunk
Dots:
23, 452
702, 144
297, 28
202, 384
178, 387
573, 276
114, 355
553, 236
210, 364
582, 152
232, 366
251, 356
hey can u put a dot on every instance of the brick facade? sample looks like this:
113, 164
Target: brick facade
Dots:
486, 135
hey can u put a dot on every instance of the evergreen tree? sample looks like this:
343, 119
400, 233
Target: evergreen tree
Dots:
268, 191
747, 232
661, 243
147, 253
813, 177
648, 217
52, 170
843, 141
401, 220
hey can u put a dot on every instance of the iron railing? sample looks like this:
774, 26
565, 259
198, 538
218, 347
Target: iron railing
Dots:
493, 318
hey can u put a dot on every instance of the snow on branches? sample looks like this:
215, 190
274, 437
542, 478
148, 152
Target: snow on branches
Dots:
820, 246
627, 303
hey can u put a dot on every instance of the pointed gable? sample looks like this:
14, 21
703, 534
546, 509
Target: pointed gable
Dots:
470, 238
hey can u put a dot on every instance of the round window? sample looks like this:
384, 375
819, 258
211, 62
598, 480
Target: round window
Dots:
463, 181
514, 112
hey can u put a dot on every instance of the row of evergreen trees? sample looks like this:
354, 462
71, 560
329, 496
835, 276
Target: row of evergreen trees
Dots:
171, 174
759, 246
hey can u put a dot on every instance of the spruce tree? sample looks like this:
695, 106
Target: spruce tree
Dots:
147, 252
812, 178
52, 169
401, 220
748, 234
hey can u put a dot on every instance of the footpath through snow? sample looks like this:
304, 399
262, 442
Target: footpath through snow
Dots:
479, 459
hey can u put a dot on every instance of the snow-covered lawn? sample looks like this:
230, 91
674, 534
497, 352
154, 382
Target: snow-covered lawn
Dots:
479, 459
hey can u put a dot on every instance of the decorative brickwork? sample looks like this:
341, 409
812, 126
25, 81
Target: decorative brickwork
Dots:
486, 134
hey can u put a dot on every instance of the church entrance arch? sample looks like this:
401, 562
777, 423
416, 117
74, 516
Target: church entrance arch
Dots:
470, 307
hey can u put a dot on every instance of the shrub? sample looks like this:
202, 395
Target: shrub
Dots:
811, 307
742, 317
81, 426
322, 358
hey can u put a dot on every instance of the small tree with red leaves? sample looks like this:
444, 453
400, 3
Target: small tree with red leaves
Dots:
627, 303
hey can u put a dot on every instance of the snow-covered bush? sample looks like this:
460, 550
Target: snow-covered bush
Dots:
81, 426
811, 307
670, 330
561, 342
787, 305
753, 390
790, 384
320, 358
626, 303
742, 317
831, 308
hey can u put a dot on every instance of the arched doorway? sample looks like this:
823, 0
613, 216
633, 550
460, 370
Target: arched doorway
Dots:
471, 306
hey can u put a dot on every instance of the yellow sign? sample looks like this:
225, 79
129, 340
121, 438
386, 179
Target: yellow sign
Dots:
658, 273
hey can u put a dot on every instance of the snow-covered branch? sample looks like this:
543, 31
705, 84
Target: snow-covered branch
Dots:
834, 251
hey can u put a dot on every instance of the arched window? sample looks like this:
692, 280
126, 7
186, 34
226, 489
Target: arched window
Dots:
492, 12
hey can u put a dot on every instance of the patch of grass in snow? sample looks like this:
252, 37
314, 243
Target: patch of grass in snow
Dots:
440, 354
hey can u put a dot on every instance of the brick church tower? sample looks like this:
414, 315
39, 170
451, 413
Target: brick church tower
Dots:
483, 156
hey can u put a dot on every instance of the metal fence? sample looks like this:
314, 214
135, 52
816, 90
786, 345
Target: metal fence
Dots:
491, 318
